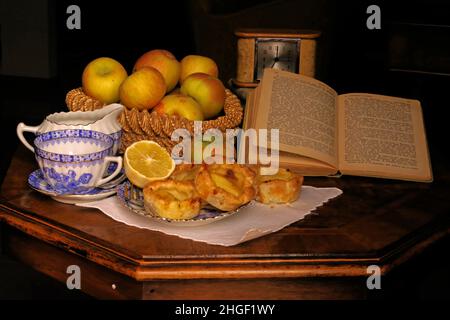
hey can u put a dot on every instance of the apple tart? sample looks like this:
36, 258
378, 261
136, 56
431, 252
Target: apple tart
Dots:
172, 199
185, 172
282, 187
225, 186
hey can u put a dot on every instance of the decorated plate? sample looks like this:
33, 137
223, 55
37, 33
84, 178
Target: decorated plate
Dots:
133, 198
37, 182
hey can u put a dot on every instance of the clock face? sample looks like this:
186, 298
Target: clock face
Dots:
280, 54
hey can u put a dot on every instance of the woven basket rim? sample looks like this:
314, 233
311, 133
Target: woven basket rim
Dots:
96, 104
138, 125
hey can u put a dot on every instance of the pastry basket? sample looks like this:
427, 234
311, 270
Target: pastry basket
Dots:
146, 125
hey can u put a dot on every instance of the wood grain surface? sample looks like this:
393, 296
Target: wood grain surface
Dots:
375, 221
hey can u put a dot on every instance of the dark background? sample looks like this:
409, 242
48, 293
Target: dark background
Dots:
409, 57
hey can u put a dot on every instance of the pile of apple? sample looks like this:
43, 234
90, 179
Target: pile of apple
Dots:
159, 82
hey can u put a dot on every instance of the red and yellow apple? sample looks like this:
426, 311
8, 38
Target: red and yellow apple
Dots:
207, 90
102, 78
163, 61
143, 89
181, 105
197, 64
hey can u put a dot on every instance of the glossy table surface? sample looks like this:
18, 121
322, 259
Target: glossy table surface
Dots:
374, 221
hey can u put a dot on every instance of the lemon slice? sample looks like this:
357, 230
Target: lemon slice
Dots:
146, 161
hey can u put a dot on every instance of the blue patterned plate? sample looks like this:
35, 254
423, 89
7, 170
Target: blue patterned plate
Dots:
132, 198
37, 182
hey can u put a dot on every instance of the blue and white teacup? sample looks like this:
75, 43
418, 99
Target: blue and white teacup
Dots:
73, 161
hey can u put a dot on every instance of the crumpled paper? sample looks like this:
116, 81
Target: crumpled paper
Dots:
250, 222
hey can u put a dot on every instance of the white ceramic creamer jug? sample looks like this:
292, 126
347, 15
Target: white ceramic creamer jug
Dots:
103, 120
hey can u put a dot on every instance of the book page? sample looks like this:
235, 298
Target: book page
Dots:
297, 163
303, 109
383, 137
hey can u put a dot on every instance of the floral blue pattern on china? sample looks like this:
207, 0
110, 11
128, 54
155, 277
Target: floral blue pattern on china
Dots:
67, 158
73, 133
102, 140
37, 180
69, 173
68, 183
116, 135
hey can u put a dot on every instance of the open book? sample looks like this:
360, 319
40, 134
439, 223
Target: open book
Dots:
323, 133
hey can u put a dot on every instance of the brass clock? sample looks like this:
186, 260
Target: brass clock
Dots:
290, 50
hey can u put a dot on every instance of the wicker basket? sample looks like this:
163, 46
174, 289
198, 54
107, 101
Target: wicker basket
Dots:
143, 125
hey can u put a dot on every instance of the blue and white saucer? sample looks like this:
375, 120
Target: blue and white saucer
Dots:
37, 182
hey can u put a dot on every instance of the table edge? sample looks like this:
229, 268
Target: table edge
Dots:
207, 267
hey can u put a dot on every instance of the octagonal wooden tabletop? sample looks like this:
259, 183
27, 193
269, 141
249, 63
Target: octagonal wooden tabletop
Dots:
374, 221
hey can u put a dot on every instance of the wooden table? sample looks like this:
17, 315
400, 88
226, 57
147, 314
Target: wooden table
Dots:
326, 255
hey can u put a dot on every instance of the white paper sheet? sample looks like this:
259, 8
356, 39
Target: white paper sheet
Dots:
251, 222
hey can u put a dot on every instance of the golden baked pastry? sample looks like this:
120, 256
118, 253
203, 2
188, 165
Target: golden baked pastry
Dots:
185, 172
282, 187
172, 199
225, 186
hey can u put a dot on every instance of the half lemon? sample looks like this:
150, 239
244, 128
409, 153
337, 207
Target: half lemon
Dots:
146, 161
